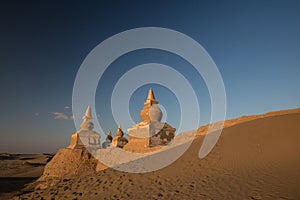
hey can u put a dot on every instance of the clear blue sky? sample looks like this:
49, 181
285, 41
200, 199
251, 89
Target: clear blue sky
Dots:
255, 44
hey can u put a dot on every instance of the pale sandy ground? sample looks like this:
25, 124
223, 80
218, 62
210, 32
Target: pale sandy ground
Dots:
255, 158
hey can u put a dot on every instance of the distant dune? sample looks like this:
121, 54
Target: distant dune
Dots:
256, 157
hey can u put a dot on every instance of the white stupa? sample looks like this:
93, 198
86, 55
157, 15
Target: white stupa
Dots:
119, 140
150, 131
86, 137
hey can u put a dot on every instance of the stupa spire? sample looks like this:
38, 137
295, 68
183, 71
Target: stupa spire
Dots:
88, 113
87, 123
150, 94
150, 98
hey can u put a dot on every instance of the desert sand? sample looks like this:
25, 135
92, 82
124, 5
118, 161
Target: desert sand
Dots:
256, 157
19, 169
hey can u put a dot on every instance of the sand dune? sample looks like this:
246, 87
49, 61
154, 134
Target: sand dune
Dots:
256, 157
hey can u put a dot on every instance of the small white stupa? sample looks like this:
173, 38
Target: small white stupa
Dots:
108, 140
86, 137
119, 140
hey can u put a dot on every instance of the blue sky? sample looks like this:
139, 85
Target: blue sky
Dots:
255, 44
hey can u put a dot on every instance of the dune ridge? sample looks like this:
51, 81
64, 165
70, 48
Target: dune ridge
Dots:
231, 122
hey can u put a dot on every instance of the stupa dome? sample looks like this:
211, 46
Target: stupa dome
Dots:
155, 113
119, 132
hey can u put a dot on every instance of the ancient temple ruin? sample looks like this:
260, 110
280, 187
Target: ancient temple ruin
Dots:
150, 131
